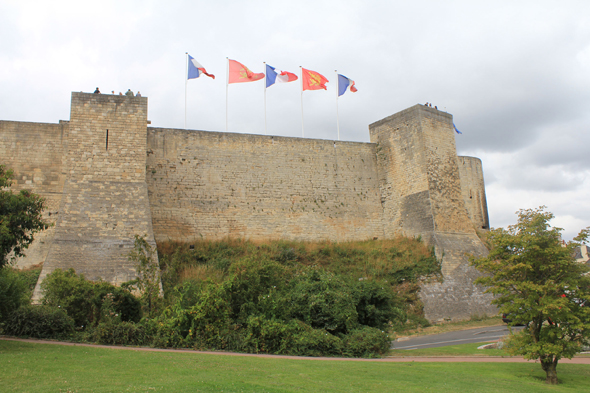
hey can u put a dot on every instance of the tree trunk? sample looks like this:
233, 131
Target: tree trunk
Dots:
550, 367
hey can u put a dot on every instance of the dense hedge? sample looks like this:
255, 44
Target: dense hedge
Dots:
39, 322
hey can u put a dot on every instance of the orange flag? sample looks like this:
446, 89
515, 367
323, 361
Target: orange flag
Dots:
239, 73
313, 80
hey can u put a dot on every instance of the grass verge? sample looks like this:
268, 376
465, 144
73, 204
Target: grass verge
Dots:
29, 367
451, 327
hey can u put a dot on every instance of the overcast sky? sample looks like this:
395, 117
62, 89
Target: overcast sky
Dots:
514, 74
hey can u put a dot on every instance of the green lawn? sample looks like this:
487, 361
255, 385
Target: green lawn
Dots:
451, 350
28, 367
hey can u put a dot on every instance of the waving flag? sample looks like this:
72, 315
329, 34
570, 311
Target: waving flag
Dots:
195, 69
344, 84
277, 76
313, 80
456, 130
239, 73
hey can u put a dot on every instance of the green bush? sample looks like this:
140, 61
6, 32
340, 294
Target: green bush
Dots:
121, 333
13, 292
315, 342
39, 322
72, 293
377, 305
83, 300
366, 342
322, 300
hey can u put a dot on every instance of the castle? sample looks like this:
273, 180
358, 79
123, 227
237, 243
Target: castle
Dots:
107, 177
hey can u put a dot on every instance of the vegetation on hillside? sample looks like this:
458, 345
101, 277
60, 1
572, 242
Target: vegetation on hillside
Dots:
315, 299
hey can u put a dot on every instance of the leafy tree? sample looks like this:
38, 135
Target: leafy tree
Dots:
539, 284
20, 218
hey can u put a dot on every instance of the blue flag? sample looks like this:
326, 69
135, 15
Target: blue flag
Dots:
456, 130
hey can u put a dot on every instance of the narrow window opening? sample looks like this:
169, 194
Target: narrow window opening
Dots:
107, 141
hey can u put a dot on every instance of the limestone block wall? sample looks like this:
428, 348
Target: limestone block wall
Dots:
108, 177
403, 186
422, 196
105, 202
212, 185
474, 191
35, 152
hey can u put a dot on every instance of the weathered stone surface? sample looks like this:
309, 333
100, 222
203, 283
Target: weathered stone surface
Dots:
108, 177
422, 195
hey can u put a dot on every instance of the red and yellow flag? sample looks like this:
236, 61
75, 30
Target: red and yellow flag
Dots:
313, 80
239, 73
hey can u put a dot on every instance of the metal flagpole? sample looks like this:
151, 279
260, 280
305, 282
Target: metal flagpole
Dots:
337, 115
302, 129
226, 92
185, 84
265, 131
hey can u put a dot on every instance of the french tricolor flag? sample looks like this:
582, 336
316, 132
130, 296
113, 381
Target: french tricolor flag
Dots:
277, 76
195, 69
344, 84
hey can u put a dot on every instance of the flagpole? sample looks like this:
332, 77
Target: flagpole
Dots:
265, 131
185, 84
337, 115
302, 128
226, 92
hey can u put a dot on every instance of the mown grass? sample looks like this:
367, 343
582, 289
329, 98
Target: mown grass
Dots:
31, 367
450, 350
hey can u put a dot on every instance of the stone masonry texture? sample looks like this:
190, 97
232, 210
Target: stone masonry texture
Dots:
107, 177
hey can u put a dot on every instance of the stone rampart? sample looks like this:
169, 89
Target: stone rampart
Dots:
108, 177
474, 191
36, 154
105, 199
213, 185
422, 196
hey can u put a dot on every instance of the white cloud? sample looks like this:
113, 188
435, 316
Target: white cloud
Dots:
515, 75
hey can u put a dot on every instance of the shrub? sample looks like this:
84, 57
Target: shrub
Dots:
322, 300
377, 305
122, 333
366, 342
39, 322
315, 342
122, 302
71, 292
13, 292
83, 300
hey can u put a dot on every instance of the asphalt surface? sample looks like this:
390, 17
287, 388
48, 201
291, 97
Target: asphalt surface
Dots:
480, 335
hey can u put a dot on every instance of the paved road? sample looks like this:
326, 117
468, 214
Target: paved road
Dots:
480, 335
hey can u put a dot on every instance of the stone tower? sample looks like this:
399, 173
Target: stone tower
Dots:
422, 196
105, 198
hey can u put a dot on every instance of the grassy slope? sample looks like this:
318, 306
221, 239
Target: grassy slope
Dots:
51, 368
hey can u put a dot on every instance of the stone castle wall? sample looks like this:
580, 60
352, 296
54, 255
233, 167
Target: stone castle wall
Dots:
105, 199
423, 196
474, 191
212, 185
36, 154
108, 177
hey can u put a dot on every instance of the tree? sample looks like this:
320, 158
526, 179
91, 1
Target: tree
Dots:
20, 218
539, 284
